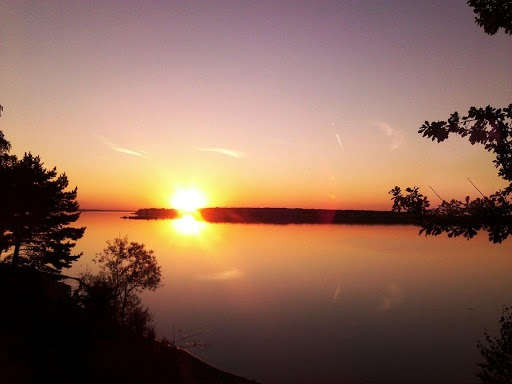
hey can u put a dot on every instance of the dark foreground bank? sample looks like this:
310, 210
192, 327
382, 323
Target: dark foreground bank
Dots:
46, 337
284, 216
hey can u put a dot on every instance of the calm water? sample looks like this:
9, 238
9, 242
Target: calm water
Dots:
330, 304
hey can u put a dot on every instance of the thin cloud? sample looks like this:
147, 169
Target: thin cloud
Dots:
338, 139
117, 148
397, 138
229, 274
223, 151
127, 151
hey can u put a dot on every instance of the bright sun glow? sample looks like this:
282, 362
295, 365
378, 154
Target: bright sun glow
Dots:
188, 200
188, 225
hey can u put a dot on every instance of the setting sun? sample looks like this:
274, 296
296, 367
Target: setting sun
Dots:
188, 200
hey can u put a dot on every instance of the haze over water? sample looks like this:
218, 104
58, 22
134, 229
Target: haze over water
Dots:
320, 303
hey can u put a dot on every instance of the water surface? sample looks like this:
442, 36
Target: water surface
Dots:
320, 303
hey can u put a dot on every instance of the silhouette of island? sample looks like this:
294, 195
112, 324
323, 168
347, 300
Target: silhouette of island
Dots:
283, 216
104, 210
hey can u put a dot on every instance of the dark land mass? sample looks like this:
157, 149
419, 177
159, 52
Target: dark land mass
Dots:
284, 216
45, 337
105, 210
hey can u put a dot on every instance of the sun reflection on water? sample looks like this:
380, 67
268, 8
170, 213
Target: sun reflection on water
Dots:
188, 225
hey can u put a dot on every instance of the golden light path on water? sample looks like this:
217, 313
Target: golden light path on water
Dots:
188, 225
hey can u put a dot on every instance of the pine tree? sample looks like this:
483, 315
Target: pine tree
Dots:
35, 213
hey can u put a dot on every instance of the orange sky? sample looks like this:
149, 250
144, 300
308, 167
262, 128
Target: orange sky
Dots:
256, 104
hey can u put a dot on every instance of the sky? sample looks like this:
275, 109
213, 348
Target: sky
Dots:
310, 104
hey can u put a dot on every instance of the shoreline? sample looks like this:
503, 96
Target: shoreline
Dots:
281, 216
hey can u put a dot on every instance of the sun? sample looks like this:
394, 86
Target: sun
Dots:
188, 200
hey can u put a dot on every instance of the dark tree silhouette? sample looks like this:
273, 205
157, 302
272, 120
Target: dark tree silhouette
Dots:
5, 158
5, 161
488, 126
5, 146
126, 269
492, 128
129, 267
414, 202
35, 213
497, 353
492, 15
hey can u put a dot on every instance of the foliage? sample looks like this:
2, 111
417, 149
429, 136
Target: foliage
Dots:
493, 15
36, 216
129, 267
6, 161
5, 146
126, 269
492, 128
35, 213
414, 202
497, 353
488, 126
464, 218
98, 298
47, 336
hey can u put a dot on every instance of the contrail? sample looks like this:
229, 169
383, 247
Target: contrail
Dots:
339, 142
223, 151
115, 147
127, 151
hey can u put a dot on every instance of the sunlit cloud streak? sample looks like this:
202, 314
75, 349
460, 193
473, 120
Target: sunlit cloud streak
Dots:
229, 274
126, 151
223, 151
397, 138
338, 139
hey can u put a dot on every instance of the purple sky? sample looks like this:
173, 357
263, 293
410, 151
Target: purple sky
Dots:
291, 103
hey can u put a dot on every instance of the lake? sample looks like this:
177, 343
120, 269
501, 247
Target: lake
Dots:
319, 303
